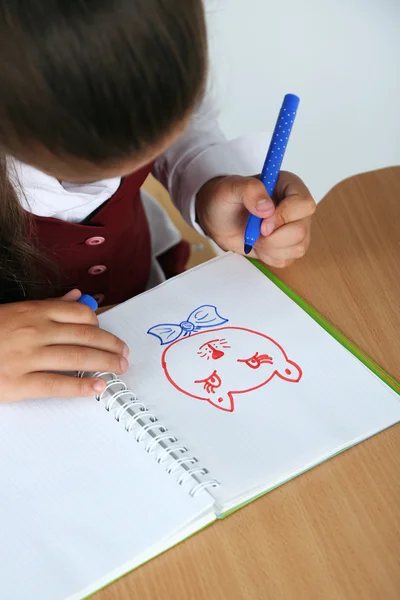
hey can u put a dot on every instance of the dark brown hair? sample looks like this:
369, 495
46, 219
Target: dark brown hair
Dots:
98, 80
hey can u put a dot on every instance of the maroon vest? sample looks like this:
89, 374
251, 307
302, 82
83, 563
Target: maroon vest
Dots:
109, 254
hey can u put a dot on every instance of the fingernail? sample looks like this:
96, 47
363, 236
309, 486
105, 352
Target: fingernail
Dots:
123, 363
125, 351
265, 205
268, 228
99, 385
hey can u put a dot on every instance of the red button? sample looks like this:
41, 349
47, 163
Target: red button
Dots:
97, 270
95, 241
99, 298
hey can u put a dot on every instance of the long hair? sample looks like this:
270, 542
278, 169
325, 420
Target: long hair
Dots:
97, 80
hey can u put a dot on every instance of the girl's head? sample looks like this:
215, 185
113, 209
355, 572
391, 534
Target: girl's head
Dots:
91, 89
96, 88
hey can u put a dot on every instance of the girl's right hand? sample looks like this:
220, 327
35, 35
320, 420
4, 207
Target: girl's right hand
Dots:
39, 337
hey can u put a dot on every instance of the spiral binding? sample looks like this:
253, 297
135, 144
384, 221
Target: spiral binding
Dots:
147, 430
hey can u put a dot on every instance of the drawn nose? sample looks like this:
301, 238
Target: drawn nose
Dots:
216, 354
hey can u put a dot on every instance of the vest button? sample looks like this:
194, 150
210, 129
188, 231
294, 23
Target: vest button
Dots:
99, 298
95, 241
97, 270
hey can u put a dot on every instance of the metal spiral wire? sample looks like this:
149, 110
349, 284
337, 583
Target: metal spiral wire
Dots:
153, 435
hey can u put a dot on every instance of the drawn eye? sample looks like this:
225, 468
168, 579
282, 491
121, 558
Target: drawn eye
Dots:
211, 383
255, 361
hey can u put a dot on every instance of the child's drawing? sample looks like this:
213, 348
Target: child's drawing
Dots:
222, 362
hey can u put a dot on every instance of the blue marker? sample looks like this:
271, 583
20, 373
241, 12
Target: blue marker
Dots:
89, 301
273, 163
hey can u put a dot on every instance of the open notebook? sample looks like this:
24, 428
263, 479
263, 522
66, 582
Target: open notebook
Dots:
234, 390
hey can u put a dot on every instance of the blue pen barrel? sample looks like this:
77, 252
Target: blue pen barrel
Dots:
279, 141
273, 163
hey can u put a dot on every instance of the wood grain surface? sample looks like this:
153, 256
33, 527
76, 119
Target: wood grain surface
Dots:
334, 532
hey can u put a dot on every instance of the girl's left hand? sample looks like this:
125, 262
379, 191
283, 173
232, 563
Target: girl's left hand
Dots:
223, 206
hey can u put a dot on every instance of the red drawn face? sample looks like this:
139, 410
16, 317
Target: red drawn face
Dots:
225, 362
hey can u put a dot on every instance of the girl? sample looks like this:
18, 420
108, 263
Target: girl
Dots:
95, 95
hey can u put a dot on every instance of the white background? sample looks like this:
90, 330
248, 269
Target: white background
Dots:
341, 57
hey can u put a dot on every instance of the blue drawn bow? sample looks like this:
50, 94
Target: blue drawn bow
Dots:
203, 317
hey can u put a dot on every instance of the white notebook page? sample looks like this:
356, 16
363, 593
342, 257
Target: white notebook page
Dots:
321, 402
81, 502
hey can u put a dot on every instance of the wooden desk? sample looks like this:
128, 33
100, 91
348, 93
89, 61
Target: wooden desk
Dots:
334, 532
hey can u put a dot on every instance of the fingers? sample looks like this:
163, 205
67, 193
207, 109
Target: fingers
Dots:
292, 208
289, 184
288, 243
77, 358
279, 263
86, 335
293, 199
285, 254
67, 312
72, 296
252, 193
52, 385
288, 235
